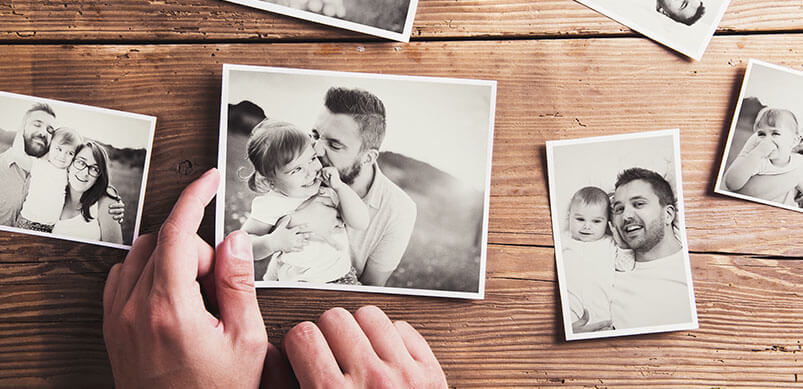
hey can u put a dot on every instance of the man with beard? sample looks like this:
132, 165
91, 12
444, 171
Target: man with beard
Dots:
655, 291
687, 12
32, 140
348, 134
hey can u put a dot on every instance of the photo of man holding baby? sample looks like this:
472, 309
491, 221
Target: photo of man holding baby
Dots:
352, 182
763, 160
59, 182
623, 265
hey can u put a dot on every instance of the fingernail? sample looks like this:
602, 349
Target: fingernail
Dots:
208, 172
240, 245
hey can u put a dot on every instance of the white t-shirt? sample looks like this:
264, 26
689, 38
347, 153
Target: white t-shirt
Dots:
589, 268
78, 227
319, 261
654, 293
45, 200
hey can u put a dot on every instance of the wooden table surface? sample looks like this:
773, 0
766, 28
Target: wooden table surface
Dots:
563, 71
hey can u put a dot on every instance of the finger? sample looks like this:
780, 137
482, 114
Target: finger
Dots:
416, 345
282, 222
276, 372
206, 269
348, 342
110, 289
174, 268
596, 326
234, 284
132, 268
310, 356
382, 334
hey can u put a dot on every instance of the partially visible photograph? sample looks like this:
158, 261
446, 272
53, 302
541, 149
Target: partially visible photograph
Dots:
686, 26
360, 182
763, 158
620, 236
390, 19
72, 171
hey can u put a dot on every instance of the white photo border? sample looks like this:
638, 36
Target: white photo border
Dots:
221, 195
141, 201
404, 36
695, 53
565, 311
718, 186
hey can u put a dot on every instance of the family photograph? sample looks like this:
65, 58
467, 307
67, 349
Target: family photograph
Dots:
763, 158
620, 242
72, 172
358, 182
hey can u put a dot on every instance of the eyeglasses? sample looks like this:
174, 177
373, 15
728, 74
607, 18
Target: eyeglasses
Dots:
80, 164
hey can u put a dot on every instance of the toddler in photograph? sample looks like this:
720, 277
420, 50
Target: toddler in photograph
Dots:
591, 255
289, 177
768, 167
48, 182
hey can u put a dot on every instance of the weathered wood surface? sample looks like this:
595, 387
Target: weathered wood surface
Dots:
163, 58
749, 332
548, 89
157, 20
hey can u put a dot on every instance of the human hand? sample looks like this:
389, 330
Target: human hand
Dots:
582, 324
361, 351
117, 210
289, 239
758, 147
331, 177
158, 332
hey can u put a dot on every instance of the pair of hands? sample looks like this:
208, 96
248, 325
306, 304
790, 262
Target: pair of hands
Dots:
159, 333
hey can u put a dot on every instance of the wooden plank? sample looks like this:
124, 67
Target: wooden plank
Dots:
160, 20
750, 329
548, 89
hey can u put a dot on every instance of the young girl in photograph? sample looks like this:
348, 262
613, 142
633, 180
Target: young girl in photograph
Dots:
768, 166
48, 182
590, 257
284, 223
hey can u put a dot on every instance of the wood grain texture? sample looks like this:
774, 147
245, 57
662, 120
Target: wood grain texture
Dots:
548, 89
518, 342
159, 20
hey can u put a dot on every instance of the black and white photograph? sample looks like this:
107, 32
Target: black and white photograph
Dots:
620, 236
763, 158
390, 19
72, 171
356, 181
686, 26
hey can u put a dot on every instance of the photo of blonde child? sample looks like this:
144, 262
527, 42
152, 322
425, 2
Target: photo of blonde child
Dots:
763, 160
47, 185
591, 254
288, 223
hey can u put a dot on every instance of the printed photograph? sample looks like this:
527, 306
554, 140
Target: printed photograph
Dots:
763, 159
686, 26
354, 181
390, 19
72, 171
620, 236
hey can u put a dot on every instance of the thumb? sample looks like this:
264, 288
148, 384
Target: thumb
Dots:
234, 284
282, 222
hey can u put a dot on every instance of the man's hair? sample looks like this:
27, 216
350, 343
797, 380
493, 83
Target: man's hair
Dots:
66, 136
40, 107
687, 21
591, 195
365, 108
772, 117
658, 183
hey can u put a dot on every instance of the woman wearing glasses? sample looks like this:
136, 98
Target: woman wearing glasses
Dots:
88, 191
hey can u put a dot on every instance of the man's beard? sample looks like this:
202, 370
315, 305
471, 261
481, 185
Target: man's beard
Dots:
35, 151
653, 234
349, 174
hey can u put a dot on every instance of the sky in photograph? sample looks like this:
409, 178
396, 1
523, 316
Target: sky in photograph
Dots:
443, 124
114, 128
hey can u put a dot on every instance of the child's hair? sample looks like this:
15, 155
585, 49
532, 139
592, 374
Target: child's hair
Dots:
591, 195
272, 145
772, 117
66, 136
